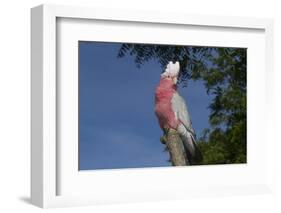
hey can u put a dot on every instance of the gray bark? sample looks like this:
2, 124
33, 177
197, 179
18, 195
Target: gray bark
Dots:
175, 147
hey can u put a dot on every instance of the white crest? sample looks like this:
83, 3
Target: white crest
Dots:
172, 70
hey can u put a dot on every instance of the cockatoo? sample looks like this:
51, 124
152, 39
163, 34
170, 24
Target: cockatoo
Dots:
172, 113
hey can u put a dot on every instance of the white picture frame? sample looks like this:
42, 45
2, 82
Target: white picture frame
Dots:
46, 167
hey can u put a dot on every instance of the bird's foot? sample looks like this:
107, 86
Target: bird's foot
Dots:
163, 139
167, 131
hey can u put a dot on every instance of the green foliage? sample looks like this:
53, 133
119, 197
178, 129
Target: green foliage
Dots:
224, 73
192, 59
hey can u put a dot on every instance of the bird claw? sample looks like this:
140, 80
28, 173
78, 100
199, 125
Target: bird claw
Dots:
163, 139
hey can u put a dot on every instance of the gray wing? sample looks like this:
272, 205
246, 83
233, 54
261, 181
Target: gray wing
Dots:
185, 130
180, 108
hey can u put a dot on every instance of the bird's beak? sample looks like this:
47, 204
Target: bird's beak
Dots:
175, 80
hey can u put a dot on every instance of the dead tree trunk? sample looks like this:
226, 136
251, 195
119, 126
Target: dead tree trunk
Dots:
175, 147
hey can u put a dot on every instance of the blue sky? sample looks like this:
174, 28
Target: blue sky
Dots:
117, 124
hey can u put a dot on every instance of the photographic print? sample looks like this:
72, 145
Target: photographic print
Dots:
155, 105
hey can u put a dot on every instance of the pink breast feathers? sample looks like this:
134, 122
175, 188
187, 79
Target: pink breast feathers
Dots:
163, 104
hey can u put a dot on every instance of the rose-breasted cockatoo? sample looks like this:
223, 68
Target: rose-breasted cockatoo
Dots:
172, 113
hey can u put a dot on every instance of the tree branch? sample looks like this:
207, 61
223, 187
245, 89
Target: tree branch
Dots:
175, 147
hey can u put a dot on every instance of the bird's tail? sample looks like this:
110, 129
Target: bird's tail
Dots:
193, 153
